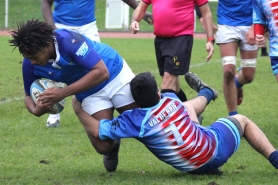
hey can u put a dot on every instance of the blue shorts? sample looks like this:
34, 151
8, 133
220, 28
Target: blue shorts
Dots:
228, 133
274, 65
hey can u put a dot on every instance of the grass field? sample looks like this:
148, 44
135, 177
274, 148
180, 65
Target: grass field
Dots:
22, 10
31, 153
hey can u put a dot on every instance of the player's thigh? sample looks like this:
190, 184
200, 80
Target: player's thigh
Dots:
228, 49
175, 54
249, 54
122, 100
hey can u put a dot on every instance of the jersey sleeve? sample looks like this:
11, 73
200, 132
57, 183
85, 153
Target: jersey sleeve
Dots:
127, 125
258, 15
78, 48
28, 75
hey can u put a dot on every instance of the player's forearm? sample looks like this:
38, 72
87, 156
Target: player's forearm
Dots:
208, 25
47, 12
132, 3
96, 76
139, 12
33, 108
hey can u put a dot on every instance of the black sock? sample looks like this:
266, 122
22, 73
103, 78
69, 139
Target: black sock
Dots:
264, 50
273, 159
181, 95
167, 90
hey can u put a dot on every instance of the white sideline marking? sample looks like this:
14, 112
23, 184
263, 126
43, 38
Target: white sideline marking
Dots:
7, 100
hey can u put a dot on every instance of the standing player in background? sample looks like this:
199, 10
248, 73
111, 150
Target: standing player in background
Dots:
265, 18
78, 16
174, 28
235, 31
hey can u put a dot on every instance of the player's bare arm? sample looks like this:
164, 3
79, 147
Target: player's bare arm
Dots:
37, 110
137, 16
209, 29
133, 4
47, 12
98, 74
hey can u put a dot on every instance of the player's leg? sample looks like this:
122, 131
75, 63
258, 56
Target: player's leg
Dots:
173, 59
248, 64
228, 54
121, 98
274, 66
206, 93
227, 40
257, 139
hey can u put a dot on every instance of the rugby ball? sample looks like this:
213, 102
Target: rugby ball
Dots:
38, 86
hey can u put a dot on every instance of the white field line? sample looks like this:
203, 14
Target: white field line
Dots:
8, 100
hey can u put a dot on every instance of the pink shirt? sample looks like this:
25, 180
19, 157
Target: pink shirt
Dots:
173, 17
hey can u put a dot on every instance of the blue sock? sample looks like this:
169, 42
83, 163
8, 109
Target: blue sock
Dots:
233, 113
206, 92
238, 85
273, 159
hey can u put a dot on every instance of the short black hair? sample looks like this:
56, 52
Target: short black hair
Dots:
144, 90
32, 37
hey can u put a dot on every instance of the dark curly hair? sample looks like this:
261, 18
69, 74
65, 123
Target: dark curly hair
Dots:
144, 90
32, 37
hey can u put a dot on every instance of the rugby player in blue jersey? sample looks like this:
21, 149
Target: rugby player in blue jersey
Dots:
78, 16
94, 72
169, 129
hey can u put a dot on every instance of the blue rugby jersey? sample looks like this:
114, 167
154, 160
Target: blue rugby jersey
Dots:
74, 13
235, 12
76, 56
266, 13
167, 131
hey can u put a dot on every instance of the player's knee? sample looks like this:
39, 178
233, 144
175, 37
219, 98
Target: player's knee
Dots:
228, 60
229, 73
103, 147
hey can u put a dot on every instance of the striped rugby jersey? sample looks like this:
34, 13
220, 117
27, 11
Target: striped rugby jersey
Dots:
266, 12
167, 131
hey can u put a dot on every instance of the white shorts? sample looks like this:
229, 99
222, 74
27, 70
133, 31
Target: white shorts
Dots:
115, 94
226, 34
89, 30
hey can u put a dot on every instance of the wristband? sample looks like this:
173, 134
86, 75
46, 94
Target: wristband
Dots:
211, 39
132, 21
258, 29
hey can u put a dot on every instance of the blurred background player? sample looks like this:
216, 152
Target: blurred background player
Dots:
235, 31
264, 19
78, 16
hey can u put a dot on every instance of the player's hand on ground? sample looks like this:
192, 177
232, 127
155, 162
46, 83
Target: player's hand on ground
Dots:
260, 40
148, 17
134, 27
51, 96
210, 50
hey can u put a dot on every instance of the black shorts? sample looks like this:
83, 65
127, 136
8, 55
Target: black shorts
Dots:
173, 54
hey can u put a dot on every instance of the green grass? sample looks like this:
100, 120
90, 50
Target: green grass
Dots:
31, 153
22, 10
